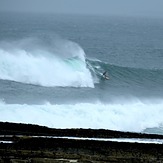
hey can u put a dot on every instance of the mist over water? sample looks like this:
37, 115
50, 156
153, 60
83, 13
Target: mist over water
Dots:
57, 82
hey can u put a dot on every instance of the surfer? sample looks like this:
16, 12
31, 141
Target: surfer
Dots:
105, 76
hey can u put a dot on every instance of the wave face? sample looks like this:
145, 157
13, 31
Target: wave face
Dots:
61, 63
134, 116
130, 76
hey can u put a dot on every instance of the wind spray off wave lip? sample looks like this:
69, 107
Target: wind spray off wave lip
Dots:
61, 65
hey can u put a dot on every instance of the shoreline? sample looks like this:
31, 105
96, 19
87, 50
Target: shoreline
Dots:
33, 143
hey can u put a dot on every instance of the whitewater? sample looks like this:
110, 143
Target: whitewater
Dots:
86, 115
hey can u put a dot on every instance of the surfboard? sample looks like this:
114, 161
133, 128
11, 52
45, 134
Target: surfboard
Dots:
106, 77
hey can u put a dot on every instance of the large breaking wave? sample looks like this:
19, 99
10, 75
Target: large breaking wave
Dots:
63, 63
32, 61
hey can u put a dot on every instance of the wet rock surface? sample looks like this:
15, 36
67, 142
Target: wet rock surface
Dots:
32, 143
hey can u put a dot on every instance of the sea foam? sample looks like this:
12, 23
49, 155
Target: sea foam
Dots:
135, 116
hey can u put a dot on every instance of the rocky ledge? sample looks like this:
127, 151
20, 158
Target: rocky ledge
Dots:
37, 144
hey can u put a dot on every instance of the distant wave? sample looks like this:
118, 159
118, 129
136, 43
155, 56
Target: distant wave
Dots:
60, 64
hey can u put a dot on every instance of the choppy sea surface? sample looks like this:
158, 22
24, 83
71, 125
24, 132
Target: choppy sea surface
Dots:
51, 71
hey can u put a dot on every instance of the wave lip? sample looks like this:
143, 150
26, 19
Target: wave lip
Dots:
43, 67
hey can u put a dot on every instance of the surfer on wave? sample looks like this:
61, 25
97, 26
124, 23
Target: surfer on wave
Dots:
105, 76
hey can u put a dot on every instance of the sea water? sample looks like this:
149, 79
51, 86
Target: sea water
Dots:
51, 71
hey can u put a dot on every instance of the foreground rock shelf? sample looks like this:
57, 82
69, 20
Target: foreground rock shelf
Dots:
32, 143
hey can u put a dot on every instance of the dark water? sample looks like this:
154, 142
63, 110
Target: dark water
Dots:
51, 66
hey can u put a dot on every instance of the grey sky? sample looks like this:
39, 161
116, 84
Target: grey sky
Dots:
149, 8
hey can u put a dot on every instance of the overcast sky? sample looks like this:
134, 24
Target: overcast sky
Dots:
148, 8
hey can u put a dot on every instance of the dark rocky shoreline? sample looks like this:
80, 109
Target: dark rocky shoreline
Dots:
33, 143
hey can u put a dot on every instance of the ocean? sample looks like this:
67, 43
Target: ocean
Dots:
51, 70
